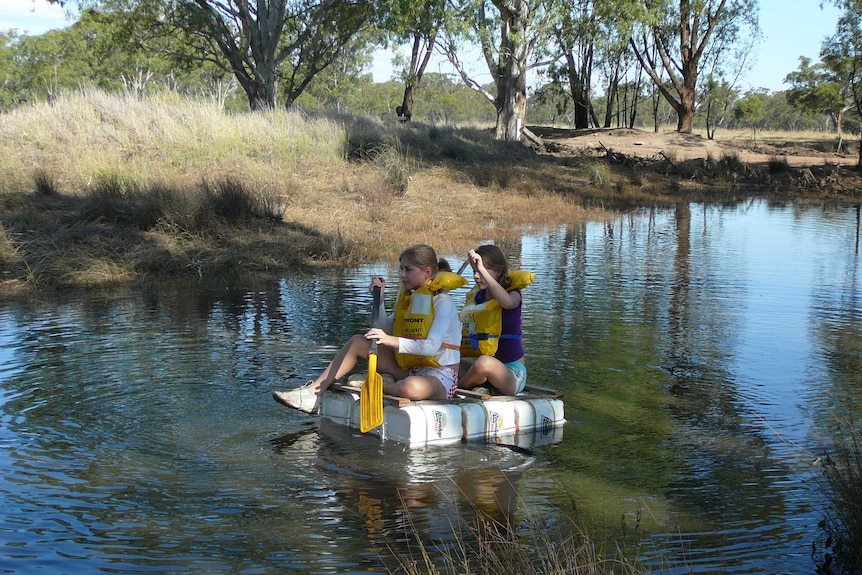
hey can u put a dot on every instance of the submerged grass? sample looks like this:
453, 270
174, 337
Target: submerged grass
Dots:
486, 545
840, 551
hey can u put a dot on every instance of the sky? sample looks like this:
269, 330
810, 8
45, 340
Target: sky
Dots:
790, 28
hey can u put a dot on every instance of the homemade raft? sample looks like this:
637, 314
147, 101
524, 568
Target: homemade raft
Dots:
532, 418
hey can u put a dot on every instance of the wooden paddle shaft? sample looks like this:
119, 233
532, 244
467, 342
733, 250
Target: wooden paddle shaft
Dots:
467, 261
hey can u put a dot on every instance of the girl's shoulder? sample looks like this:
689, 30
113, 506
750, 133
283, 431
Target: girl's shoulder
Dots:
443, 298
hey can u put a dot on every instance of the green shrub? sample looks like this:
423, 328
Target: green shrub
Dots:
599, 174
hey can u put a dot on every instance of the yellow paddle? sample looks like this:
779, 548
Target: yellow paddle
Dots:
371, 394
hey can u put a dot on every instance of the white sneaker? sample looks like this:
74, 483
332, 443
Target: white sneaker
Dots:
302, 398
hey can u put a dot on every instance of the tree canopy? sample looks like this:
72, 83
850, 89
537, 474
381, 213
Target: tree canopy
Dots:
678, 39
600, 62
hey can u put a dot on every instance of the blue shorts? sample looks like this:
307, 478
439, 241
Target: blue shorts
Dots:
519, 370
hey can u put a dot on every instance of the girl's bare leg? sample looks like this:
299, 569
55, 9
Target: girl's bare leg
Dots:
343, 363
491, 370
416, 387
386, 363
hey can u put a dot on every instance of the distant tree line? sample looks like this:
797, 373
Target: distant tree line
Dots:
598, 63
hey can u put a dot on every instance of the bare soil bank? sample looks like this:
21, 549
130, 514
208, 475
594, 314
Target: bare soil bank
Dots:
809, 165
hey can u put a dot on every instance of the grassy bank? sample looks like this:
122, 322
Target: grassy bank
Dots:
98, 189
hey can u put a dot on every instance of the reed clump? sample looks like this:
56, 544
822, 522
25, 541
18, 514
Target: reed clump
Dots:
841, 549
487, 545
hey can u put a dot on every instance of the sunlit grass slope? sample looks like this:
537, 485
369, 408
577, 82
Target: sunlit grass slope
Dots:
100, 188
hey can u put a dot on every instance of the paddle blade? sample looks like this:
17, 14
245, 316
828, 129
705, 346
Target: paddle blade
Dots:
371, 397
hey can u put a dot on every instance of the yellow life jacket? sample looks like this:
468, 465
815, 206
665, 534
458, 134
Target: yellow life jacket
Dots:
414, 315
482, 323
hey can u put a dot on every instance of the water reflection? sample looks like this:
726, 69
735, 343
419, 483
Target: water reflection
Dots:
703, 351
685, 334
403, 500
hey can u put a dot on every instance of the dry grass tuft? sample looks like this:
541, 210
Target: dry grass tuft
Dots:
82, 137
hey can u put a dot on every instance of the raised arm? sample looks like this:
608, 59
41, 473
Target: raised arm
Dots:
507, 299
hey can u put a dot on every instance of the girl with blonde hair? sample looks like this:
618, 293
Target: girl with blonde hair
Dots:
418, 343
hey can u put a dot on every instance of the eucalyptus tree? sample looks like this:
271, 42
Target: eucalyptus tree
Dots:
450, 102
592, 36
823, 88
260, 42
99, 50
574, 34
718, 96
623, 84
343, 84
749, 111
270, 41
9, 79
42, 66
690, 36
507, 33
416, 23
842, 55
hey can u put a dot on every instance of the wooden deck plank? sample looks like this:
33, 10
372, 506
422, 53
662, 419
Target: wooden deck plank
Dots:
387, 399
460, 395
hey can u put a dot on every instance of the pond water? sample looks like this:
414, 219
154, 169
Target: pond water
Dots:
703, 351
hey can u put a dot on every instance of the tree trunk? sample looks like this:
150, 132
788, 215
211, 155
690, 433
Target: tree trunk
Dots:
515, 50
512, 104
685, 118
259, 82
405, 110
613, 86
839, 126
579, 87
261, 91
419, 58
697, 23
710, 130
687, 97
578, 91
582, 114
633, 110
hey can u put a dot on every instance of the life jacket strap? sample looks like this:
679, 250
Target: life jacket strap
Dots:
475, 338
443, 345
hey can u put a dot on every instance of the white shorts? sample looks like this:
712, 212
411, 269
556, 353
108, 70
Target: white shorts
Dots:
447, 375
